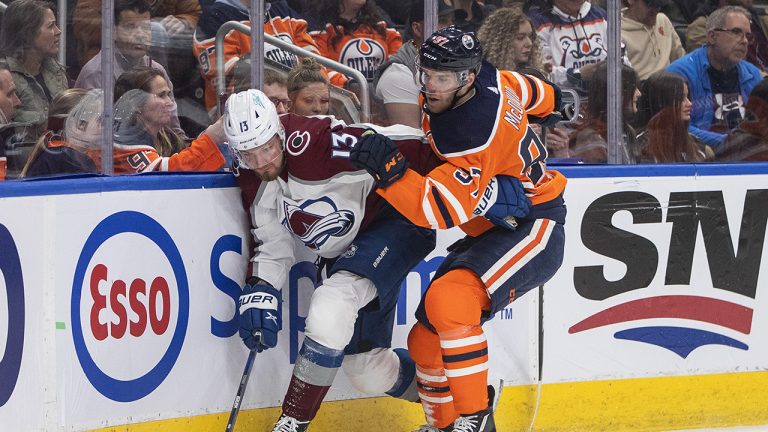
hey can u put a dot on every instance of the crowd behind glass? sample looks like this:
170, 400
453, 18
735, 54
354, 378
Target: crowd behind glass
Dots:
692, 75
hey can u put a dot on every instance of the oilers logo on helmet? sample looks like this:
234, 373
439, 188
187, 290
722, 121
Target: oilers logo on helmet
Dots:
363, 54
315, 221
468, 41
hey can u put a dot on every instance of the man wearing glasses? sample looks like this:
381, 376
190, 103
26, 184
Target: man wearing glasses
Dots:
719, 77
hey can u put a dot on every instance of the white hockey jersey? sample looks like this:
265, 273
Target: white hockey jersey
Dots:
320, 198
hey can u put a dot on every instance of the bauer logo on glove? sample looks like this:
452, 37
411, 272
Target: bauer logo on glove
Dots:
258, 301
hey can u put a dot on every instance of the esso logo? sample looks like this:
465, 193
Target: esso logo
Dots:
11, 306
130, 306
151, 305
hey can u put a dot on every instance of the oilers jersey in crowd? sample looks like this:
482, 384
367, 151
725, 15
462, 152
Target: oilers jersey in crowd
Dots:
484, 137
202, 155
363, 47
320, 198
572, 41
237, 44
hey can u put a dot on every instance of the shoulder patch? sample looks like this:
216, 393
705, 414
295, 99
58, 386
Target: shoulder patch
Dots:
297, 142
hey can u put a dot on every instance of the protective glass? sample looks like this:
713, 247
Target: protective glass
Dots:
260, 157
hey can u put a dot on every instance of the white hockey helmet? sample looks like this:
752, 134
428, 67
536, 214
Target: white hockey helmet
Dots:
251, 120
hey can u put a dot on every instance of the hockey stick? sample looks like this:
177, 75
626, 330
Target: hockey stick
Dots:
241, 389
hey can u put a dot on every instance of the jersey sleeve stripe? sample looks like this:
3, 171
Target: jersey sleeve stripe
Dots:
534, 93
523, 88
454, 202
426, 206
441, 207
542, 93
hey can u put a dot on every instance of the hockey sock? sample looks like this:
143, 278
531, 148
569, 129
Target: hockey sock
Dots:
435, 395
454, 305
313, 375
405, 387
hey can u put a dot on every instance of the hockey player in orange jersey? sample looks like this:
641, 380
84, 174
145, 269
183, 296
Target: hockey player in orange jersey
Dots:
477, 120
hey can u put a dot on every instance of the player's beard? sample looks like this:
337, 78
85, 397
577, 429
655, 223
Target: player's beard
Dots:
273, 170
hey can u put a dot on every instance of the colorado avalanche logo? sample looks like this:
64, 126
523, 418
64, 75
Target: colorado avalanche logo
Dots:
297, 142
276, 54
364, 55
315, 221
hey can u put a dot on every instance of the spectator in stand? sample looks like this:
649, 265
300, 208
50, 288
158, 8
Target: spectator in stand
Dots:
394, 81
573, 39
650, 38
139, 119
665, 110
757, 52
152, 81
308, 89
133, 39
135, 122
56, 155
470, 14
354, 34
29, 42
749, 141
275, 85
279, 20
520, 48
589, 141
9, 102
718, 77
173, 17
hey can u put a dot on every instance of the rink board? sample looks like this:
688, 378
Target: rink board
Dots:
653, 322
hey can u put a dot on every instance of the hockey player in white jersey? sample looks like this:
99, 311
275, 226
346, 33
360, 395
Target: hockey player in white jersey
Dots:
297, 180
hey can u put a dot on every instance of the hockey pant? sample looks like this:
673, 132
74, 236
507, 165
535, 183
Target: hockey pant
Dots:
329, 327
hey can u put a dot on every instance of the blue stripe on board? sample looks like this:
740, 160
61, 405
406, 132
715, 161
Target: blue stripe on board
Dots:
195, 180
83, 184
572, 170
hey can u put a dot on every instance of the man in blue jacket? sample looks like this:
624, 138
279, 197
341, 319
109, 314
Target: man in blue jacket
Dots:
719, 79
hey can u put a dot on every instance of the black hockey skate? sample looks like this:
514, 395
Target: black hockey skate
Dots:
481, 421
289, 424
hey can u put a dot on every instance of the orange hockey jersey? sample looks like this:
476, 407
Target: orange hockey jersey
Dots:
202, 155
363, 49
484, 137
237, 44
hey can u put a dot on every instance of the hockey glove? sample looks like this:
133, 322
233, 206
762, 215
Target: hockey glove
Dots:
510, 202
377, 154
260, 311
